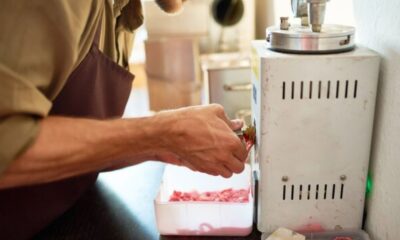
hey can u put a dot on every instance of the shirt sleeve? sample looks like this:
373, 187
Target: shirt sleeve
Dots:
41, 42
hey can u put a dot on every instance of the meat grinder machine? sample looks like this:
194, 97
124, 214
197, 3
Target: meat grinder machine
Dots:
313, 106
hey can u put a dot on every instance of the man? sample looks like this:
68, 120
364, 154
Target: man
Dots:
61, 94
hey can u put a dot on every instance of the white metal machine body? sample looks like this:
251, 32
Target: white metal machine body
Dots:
314, 118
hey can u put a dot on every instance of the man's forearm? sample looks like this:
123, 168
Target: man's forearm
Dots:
67, 147
201, 138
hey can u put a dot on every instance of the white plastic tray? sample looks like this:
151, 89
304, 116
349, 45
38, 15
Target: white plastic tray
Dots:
333, 235
202, 218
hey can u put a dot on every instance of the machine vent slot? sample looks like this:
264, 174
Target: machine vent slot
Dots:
355, 88
292, 193
313, 192
331, 89
283, 90
341, 191
319, 89
292, 90
284, 192
328, 93
333, 191
337, 88
301, 89
300, 192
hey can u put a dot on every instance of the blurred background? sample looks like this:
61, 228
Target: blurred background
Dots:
201, 54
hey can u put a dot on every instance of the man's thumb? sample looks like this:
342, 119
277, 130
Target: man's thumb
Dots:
236, 124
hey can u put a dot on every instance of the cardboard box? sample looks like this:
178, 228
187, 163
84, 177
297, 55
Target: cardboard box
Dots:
165, 94
173, 59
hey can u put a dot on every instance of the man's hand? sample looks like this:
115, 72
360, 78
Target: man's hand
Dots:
200, 138
203, 139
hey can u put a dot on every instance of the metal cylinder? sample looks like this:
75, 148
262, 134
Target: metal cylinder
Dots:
299, 8
316, 12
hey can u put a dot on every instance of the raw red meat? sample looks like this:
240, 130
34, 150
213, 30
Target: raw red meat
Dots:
248, 137
226, 195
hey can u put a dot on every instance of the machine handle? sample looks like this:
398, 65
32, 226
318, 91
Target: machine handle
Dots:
238, 87
345, 41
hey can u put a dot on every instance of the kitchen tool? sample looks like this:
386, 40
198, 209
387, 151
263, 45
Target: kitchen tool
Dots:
227, 81
227, 12
313, 105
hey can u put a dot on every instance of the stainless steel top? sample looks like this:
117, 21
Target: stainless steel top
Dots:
301, 39
311, 12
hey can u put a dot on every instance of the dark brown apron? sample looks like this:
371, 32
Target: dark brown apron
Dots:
98, 88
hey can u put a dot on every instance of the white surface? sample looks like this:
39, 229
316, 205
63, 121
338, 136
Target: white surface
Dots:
138, 104
138, 55
202, 218
313, 140
285, 234
378, 27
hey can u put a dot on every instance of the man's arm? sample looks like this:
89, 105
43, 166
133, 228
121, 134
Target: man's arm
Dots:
200, 138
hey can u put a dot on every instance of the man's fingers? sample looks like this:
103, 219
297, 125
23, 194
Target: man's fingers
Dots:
190, 166
236, 124
225, 171
220, 113
234, 165
214, 169
238, 149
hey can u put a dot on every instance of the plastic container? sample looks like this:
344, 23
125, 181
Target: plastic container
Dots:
334, 235
338, 235
202, 218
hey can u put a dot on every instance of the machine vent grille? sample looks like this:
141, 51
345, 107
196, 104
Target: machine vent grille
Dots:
340, 89
313, 192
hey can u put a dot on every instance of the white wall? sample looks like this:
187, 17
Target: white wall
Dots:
378, 27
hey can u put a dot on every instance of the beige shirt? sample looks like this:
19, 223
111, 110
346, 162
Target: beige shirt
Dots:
41, 43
